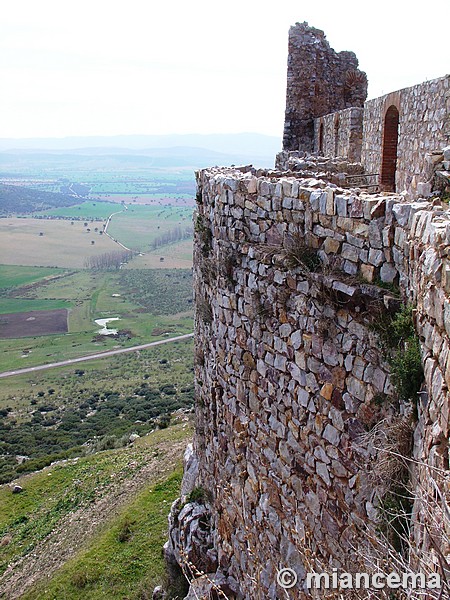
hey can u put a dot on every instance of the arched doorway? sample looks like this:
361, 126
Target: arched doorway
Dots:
390, 143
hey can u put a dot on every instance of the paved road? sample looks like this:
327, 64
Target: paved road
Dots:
73, 361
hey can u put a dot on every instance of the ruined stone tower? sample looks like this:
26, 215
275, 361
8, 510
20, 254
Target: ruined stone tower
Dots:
319, 81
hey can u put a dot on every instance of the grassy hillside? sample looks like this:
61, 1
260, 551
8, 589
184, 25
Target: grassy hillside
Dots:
94, 527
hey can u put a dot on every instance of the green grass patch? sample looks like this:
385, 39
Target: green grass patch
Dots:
85, 210
126, 559
17, 305
14, 276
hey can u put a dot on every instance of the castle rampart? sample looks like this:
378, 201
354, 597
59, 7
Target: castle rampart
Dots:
290, 373
322, 343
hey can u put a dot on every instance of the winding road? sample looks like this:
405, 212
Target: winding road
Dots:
106, 354
105, 228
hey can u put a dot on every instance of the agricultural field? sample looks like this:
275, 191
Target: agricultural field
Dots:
138, 227
151, 305
90, 210
103, 177
10, 276
172, 256
51, 243
37, 322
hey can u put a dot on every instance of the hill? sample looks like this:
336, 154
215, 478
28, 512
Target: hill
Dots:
237, 146
94, 527
18, 199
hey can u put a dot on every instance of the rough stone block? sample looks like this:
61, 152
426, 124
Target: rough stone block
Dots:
368, 272
388, 273
332, 435
401, 213
350, 268
341, 205
331, 245
350, 252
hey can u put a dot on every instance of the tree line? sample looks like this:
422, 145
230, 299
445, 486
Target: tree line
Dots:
173, 235
108, 261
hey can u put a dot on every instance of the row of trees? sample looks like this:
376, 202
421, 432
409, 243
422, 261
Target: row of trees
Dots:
173, 235
108, 261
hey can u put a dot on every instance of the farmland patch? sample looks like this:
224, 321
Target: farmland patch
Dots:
48, 243
34, 323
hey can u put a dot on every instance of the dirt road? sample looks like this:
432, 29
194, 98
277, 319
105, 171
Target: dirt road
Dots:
73, 361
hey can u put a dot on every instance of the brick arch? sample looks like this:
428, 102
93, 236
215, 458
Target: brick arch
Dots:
389, 148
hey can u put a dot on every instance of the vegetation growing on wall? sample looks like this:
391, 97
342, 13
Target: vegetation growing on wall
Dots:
401, 347
205, 235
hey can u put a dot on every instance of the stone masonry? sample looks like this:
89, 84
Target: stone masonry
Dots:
293, 269
424, 127
319, 81
288, 370
340, 134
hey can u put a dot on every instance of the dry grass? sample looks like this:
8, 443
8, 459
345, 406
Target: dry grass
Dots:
61, 245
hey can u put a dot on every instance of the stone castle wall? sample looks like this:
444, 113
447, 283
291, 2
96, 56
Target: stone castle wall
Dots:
424, 127
340, 134
289, 372
319, 81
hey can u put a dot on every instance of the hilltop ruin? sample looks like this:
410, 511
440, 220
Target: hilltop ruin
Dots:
322, 293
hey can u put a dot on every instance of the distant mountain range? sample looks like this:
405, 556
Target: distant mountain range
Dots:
187, 149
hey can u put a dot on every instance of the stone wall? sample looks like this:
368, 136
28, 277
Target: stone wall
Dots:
340, 134
319, 81
424, 127
288, 369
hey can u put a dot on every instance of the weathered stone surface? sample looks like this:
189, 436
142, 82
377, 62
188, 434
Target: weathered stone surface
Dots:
388, 273
320, 68
292, 373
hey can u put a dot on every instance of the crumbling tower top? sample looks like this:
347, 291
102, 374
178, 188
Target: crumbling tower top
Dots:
319, 81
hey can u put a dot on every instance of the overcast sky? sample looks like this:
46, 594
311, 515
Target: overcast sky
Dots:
103, 67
